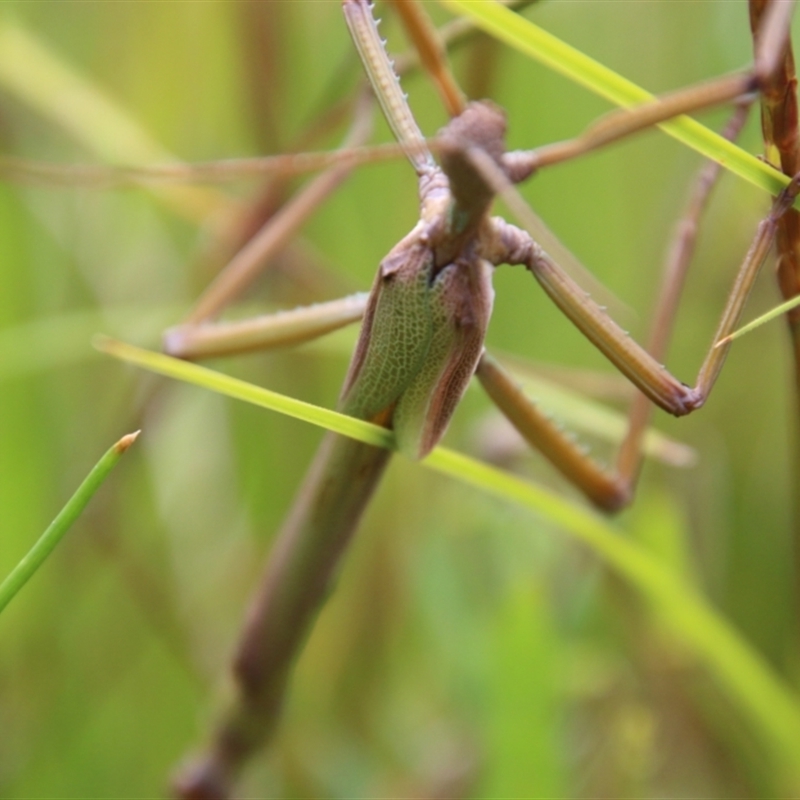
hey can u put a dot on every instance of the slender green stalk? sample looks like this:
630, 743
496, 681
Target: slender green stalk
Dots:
37, 555
241, 390
772, 706
778, 311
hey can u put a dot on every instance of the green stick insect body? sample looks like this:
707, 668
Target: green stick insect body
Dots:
421, 341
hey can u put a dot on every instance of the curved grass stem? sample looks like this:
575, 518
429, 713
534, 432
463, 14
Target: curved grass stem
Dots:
38, 554
533, 41
772, 706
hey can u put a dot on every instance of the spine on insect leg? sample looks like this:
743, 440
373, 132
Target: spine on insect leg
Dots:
299, 577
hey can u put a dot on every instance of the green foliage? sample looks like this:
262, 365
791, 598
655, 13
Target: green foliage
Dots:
471, 648
63, 521
521, 34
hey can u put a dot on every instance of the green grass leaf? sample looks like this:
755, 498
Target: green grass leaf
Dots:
771, 705
38, 554
759, 321
241, 390
533, 41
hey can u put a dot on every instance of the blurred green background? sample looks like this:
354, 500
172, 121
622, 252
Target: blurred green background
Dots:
471, 649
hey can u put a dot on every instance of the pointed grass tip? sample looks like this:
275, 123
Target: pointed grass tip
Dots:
126, 441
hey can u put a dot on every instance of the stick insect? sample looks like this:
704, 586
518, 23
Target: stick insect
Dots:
457, 151
422, 339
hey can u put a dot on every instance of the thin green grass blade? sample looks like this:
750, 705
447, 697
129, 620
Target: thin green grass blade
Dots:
241, 390
37, 555
523, 35
575, 409
759, 321
771, 705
